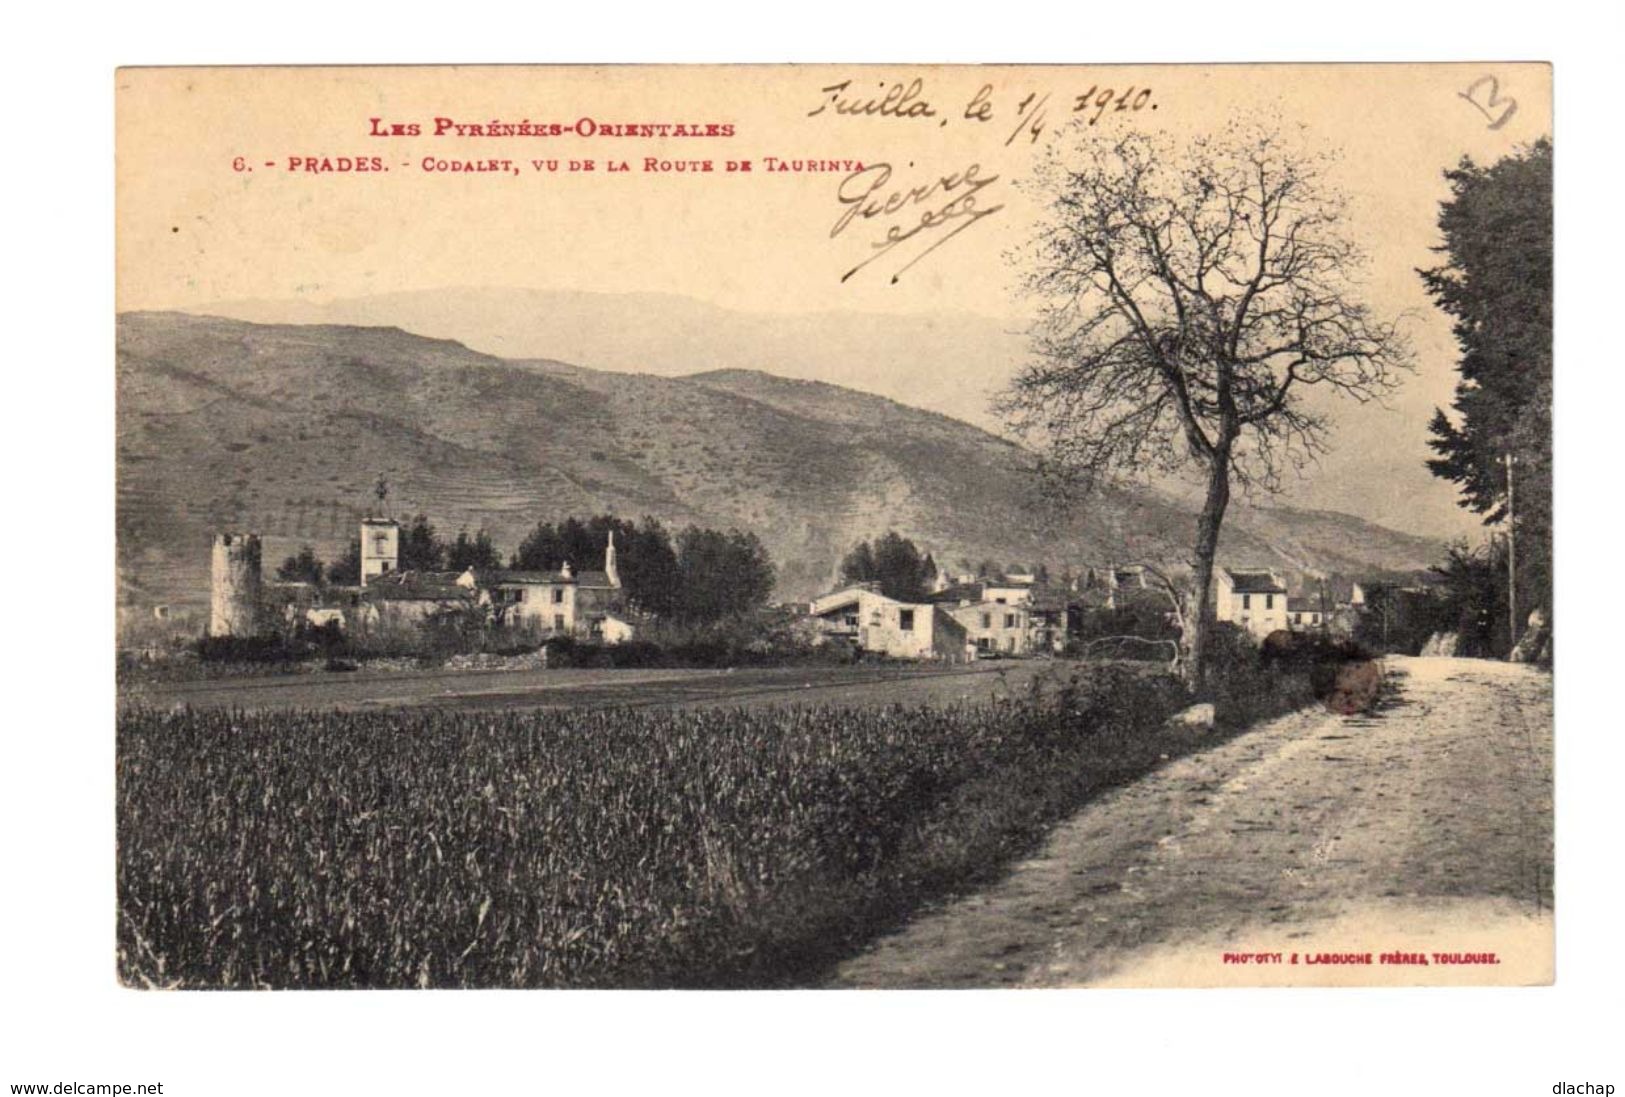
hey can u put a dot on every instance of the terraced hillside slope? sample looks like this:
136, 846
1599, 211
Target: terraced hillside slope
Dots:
284, 429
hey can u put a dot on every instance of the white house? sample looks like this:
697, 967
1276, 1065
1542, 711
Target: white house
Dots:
996, 626
588, 604
1254, 598
875, 623
998, 615
1304, 614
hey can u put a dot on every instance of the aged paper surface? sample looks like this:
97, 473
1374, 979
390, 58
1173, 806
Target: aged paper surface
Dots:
488, 407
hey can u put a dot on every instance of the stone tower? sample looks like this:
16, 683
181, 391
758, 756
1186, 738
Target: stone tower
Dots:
380, 547
234, 590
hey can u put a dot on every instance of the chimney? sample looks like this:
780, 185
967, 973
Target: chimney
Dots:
609, 563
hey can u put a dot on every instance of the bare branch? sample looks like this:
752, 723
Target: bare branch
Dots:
1189, 295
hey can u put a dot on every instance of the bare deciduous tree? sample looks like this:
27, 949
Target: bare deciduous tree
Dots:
1188, 296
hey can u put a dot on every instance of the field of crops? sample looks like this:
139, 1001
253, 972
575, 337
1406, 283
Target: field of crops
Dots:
725, 847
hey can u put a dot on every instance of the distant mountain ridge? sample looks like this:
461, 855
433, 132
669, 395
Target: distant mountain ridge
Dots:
283, 429
949, 362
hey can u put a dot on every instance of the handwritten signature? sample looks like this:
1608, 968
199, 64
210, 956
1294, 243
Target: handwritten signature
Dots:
923, 210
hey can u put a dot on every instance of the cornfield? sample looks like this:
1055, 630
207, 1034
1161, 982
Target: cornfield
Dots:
433, 848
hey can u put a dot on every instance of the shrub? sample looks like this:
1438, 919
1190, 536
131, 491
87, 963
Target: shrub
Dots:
272, 648
1249, 682
1139, 630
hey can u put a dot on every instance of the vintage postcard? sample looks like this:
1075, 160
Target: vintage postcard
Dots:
834, 526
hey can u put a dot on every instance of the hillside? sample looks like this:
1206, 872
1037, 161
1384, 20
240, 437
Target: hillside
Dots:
948, 362
283, 429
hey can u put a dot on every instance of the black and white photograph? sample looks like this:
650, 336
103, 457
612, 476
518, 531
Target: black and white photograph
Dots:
740, 549
813, 527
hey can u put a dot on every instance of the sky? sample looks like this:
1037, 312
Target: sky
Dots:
218, 200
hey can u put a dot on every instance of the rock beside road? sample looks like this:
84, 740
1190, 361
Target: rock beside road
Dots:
1533, 646
1198, 719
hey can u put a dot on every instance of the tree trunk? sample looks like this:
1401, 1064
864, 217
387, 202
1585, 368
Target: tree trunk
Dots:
1199, 620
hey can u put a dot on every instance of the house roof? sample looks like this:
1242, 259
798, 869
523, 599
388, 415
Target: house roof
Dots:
415, 586
844, 597
847, 596
957, 592
1254, 581
1303, 605
1097, 597
510, 577
988, 605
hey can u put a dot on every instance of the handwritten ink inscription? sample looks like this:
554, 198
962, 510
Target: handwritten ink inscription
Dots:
923, 210
1485, 94
912, 101
945, 204
897, 101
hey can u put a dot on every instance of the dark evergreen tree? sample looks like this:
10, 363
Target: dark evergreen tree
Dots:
648, 565
858, 566
721, 574
421, 548
900, 568
645, 558
346, 571
477, 552
1496, 283
895, 563
303, 567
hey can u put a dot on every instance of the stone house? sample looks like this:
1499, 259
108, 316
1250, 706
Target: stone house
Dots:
412, 598
995, 627
588, 605
1001, 616
872, 622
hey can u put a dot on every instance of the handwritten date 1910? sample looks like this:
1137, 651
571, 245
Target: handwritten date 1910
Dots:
922, 210
1100, 98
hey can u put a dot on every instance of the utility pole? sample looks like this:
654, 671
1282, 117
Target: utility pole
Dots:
1512, 560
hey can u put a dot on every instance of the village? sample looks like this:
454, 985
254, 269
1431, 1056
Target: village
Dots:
960, 617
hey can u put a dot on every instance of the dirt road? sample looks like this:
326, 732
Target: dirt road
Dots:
1425, 828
